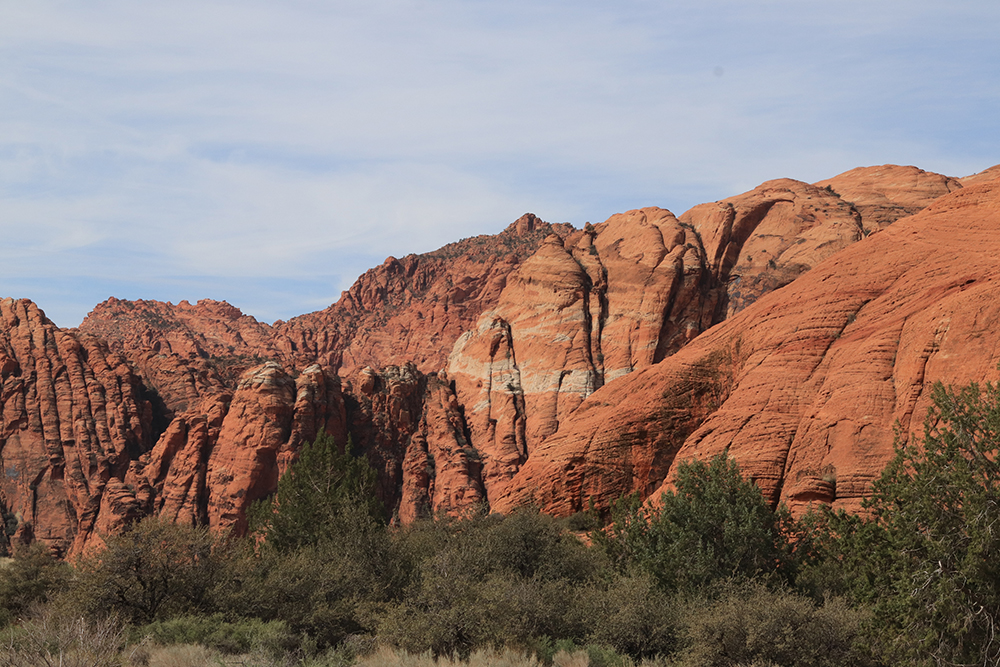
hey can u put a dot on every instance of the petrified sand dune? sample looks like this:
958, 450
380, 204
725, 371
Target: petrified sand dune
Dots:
803, 387
542, 364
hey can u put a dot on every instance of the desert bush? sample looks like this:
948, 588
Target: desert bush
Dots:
750, 623
155, 569
249, 635
51, 637
715, 526
489, 580
630, 614
328, 591
458, 614
33, 576
326, 560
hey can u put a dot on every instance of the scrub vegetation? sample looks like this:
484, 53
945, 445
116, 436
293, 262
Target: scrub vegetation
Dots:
709, 576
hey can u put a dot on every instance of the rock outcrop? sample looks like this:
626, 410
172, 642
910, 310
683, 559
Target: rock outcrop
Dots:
411, 427
544, 364
764, 239
889, 192
623, 295
74, 416
411, 310
803, 387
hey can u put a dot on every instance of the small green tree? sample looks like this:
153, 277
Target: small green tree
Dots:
927, 558
310, 504
326, 559
716, 525
33, 576
151, 571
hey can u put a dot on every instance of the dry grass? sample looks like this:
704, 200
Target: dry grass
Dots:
385, 657
181, 655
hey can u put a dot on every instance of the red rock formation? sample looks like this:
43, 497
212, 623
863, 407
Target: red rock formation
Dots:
623, 295
183, 352
889, 192
764, 239
982, 176
581, 311
77, 428
180, 417
73, 417
412, 430
271, 414
413, 309
205, 330
804, 386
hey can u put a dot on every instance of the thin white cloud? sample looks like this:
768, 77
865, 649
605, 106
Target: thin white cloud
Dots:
192, 143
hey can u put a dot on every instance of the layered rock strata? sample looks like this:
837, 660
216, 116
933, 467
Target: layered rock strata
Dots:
74, 416
544, 364
803, 387
623, 295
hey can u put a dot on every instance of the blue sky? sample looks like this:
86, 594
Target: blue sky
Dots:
268, 153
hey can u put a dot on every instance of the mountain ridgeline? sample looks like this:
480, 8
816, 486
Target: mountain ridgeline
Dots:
794, 326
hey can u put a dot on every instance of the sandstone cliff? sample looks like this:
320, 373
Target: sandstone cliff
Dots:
804, 386
623, 295
541, 364
411, 310
74, 416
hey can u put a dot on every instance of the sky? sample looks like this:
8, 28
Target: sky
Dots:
268, 153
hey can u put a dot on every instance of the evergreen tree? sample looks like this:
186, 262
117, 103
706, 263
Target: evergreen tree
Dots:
322, 495
927, 559
716, 525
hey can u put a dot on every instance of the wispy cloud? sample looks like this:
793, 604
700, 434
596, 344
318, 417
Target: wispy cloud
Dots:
211, 149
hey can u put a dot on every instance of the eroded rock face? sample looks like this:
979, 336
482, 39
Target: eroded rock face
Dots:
183, 351
544, 364
764, 239
804, 386
411, 427
411, 310
622, 296
74, 415
981, 177
886, 193
580, 312
77, 438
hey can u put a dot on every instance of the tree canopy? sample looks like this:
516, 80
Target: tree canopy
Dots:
716, 525
927, 558
323, 491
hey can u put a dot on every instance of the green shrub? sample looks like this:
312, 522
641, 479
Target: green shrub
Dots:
927, 556
489, 580
33, 576
272, 638
153, 570
327, 592
715, 526
630, 614
750, 623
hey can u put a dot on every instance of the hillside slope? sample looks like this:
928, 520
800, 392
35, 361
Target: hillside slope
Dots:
805, 386
792, 324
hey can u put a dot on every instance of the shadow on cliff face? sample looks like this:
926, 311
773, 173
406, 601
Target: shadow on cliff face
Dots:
155, 419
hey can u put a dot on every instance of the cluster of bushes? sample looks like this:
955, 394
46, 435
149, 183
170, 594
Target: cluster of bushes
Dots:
709, 576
